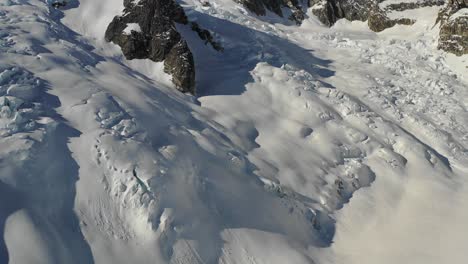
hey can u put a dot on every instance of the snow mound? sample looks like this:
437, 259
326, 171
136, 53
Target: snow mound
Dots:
19, 109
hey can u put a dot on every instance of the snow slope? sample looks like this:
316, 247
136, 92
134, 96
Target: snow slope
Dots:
306, 144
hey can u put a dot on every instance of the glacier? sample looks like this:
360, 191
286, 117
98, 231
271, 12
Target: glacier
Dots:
304, 143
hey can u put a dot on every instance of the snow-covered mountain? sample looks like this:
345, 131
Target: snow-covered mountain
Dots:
304, 137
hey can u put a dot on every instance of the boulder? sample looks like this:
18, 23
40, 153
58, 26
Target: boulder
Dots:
147, 30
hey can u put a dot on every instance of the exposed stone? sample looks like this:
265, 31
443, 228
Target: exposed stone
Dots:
453, 20
379, 21
259, 7
413, 5
179, 62
451, 8
326, 11
157, 38
206, 36
330, 11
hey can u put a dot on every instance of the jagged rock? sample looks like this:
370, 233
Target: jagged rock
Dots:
147, 30
330, 11
259, 7
379, 21
179, 62
454, 36
206, 36
451, 8
413, 5
326, 11
453, 20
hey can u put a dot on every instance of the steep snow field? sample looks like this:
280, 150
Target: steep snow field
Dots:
305, 144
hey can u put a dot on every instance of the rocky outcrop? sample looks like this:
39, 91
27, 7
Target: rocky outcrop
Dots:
413, 5
453, 20
379, 21
452, 7
147, 30
206, 36
259, 7
330, 11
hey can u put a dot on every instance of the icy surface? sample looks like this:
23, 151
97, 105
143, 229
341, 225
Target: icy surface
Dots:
306, 145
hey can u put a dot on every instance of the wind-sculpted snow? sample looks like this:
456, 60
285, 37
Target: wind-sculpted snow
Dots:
37, 201
306, 145
154, 177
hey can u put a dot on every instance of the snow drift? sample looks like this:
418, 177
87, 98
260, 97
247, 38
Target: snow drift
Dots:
306, 144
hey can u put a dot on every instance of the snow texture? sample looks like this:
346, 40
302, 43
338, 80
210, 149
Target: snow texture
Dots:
306, 144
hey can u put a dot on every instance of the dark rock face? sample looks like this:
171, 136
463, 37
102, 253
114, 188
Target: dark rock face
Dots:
379, 21
206, 36
451, 8
413, 5
58, 4
330, 11
259, 7
157, 38
453, 20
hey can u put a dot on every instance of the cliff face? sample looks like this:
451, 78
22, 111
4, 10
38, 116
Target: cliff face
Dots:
454, 27
147, 30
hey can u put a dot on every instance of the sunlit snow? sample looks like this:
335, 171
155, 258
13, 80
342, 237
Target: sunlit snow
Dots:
306, 144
